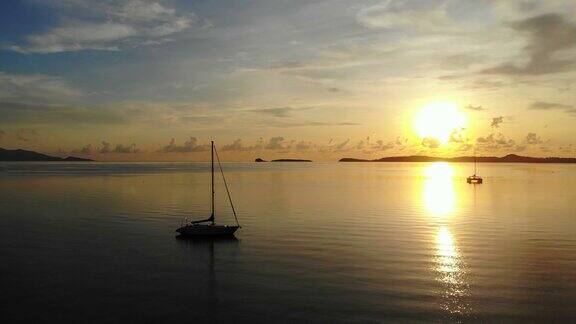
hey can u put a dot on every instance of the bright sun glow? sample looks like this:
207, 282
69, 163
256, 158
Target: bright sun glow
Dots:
438, 120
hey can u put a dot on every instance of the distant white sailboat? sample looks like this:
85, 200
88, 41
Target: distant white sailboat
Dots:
208, 227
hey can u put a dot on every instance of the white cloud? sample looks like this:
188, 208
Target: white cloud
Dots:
84, 33
108, 27
144, 11
177, 25
35, 88
404, 14
76, 37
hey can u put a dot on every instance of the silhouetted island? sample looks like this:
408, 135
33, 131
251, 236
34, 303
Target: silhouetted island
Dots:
24, 155
291, 160
282, 160
510, 158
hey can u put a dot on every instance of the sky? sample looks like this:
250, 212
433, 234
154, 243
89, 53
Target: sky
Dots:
139, 80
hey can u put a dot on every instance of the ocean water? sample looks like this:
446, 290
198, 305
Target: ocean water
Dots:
320, 242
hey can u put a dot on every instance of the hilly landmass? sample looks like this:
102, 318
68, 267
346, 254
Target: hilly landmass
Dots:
510, 158
24, 155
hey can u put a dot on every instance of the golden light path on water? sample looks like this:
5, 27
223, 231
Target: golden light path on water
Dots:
439, 195
440, 200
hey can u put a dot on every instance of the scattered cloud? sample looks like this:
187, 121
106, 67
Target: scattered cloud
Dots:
457, 136
26, 135
342, 145
105, 147
201, 119
476, 108
459, 62
567, 148
464, 147
275, 143
285, 117
84, 150
126, 148
237, 145
307, 124
278, 112
533, 139
234, 146
430, 142
541, 105
496, 121
420, 15
486, 84
519, 148
191, 145
494, 142
303, 146
315, 123
381, 146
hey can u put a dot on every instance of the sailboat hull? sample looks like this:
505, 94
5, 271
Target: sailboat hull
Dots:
207, 230
474, 179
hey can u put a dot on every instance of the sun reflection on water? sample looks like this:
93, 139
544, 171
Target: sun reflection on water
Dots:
439, 195
447, 255
440, 200
451, 273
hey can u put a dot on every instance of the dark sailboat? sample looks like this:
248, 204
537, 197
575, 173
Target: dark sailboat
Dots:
207, 227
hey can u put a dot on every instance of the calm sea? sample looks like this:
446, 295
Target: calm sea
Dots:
320, 242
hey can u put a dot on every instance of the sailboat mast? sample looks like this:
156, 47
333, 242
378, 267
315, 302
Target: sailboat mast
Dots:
474, 161
212, 170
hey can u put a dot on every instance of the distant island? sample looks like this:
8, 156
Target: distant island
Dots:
291, 160
24, 155
510, 158
282, 160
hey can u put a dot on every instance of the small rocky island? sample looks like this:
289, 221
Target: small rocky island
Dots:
24, 155
291, 160
283, 160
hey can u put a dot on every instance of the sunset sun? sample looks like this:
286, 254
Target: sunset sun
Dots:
438, 120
